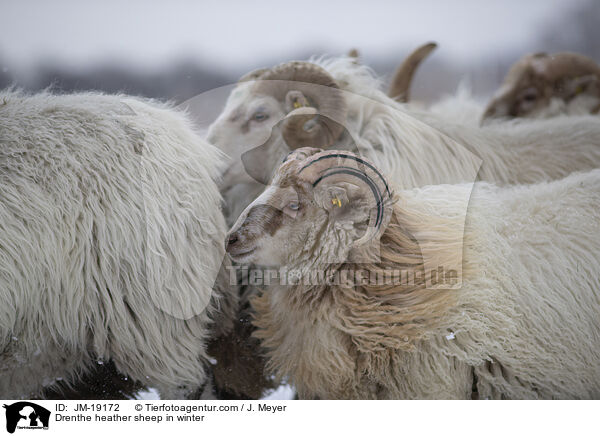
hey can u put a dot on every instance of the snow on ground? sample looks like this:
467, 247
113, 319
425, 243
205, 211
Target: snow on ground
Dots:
283, 392
147, 394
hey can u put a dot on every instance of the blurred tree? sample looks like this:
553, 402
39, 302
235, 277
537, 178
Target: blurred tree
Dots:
177, 83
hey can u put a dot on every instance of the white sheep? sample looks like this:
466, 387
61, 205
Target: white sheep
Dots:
516, 317
338, 103
111, 237
542, 85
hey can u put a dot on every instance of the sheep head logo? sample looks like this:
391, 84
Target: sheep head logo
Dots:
27, 415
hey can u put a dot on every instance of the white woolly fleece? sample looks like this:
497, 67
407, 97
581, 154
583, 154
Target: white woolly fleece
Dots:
526, 320
111, 236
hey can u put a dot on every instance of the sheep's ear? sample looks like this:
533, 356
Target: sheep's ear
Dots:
345, 200
334, 198
581, 85
295, 100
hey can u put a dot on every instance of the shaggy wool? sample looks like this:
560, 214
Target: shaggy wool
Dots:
523, 324
111, 237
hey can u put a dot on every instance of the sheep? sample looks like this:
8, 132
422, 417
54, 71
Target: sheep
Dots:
337, 104
542, 85
518, 318
110, 242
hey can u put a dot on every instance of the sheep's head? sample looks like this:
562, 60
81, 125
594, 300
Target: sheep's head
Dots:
264, 97
319, 206
535, 80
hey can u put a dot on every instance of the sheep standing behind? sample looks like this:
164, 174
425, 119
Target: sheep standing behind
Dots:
523, 323
304, 103
110, 241
541, 85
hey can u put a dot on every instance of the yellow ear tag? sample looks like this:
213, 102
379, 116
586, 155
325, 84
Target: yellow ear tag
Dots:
579, 90
297, 104
336, 202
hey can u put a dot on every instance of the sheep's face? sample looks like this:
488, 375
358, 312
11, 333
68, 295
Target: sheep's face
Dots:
522, 94
317, 208
246, 121
540, 85
280, 109
275, 225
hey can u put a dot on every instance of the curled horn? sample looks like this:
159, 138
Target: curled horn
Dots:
343, 165
400, 85
324, 105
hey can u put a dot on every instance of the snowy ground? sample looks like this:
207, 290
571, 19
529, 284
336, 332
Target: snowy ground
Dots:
147, 394
285, 392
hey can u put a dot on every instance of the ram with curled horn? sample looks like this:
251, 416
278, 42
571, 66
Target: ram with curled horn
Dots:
314, 194
460, 302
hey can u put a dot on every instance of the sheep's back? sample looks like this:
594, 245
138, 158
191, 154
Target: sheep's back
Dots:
528, 321
111, 232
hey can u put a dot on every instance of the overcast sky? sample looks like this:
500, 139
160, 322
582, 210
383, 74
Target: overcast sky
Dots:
235, 35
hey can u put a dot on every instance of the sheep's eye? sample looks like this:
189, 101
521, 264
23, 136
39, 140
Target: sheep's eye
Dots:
260, 116
294, 206
529, 95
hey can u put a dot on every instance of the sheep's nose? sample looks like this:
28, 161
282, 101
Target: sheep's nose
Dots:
231, 240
